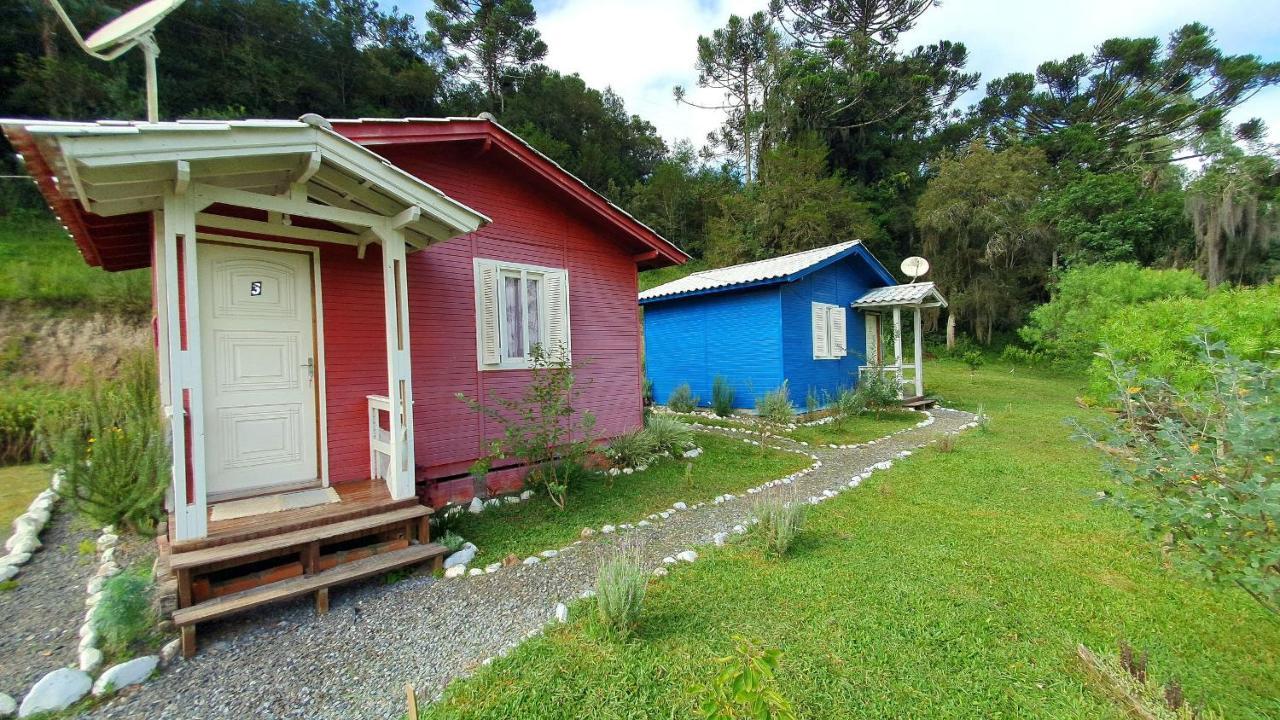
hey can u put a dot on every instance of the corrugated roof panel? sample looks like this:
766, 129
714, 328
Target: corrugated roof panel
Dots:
759, 270
909, 294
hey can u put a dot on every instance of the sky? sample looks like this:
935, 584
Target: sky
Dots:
643, 48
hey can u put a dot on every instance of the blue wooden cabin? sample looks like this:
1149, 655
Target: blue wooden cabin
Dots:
816, 319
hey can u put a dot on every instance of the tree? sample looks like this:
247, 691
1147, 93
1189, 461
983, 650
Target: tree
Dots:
488, 40
681, 197
818, 24
797, 205
1132, 101
1233, 207
990, 257
737, 60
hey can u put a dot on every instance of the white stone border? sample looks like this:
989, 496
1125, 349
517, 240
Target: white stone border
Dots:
90, 657
25, 540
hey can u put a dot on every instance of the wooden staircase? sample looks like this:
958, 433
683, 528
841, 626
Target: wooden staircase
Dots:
330, 554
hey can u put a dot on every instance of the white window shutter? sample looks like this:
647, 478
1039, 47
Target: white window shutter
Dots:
839, 343
557, 293
487, 312
821, 346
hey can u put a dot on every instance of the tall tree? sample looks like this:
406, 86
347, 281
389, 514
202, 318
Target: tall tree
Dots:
681, 197
1131, 101
817, 24
989, 255
1234, 206
488, 41
738, 60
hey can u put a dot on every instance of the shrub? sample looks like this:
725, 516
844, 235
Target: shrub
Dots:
620, 589
668, 435
722, 395
631, 449
775, 406
646, 392
811, 403
1199, 469
744, 687
452, 541
124, 617
21, 407
849, 403
879, 390
113, 449
779, 523
1152, 337
541, 428
682, 399
1067, 328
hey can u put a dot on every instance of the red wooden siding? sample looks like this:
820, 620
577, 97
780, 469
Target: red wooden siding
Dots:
530, 225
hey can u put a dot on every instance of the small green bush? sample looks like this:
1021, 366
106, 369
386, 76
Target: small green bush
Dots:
745, 688
620, 589
722, 395
879, 390
779, 523
21, 407
775, 406
451, 540
668, 436
631, 449
682, 399
811, 403
124, 618
849, 403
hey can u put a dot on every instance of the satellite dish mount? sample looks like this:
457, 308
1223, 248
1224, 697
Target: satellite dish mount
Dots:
915, 267
135, 28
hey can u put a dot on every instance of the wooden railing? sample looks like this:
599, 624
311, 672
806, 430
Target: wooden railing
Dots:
381, 444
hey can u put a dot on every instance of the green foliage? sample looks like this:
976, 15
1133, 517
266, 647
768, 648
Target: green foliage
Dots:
682, 399
1199, 467
849, 403
631, 449
1067, 329
646, 392
679, 199
797, 205
113, 448
489, 42
745, 688
722, 395
778, 523
452, 541
541, 428
1115, 217
775, 407
21, 407
1152, 336
973, 359
1233, 210
1128, 674
620, 589
124, 618
878, 390
668, 435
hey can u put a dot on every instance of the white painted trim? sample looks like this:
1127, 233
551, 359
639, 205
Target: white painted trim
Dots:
503, 266
322, 400
919, 356
897, 336
402, 470
225, 222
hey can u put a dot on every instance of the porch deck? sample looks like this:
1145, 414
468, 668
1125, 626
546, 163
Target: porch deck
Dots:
356, 499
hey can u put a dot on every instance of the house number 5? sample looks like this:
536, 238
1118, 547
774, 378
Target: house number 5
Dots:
255, 288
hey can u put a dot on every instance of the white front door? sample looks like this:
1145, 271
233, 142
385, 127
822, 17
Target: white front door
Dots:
259, 369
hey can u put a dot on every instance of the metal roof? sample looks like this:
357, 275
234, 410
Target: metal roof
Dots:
909, 294
778, 268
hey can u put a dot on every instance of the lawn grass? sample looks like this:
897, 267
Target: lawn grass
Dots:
41, 267
726, 465
19, 485
859, 429
955, 585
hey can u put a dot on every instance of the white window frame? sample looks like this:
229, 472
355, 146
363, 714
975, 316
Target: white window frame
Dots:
827, 309
524, 272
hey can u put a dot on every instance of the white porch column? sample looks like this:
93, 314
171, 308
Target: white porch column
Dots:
919, 343
401, 470
176, 247
897, 336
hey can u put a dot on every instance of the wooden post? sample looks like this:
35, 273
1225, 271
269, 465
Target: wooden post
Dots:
188, 641
322, 601
412, 698
919, 356
897, 347
401, 469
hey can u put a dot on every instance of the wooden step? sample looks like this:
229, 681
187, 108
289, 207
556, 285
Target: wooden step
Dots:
297, 587
918, 401
265, 546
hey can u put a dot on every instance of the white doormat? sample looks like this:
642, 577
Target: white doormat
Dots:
274, 503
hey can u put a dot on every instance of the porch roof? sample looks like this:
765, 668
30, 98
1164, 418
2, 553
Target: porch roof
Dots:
103, 178
923, 294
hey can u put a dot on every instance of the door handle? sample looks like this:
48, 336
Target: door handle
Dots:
311, 368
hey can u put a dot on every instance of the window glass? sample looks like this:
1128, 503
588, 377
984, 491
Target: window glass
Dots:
533, 296
513, 342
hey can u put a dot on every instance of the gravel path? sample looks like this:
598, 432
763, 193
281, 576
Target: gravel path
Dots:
41, 617
285, 662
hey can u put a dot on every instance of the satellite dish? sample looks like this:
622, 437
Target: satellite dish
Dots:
131, 26
132, 29
915, 267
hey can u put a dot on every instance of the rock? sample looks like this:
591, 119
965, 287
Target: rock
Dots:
668, 561
532, 560
644, 523
171, 651
16, 559
562, 613
88, 640
107, 569
461, 557
586, 533
8, 572
476, 507
680, 506
118, 677
493, 567
687, 556
660, 572
109, 555
95, 585
511, 560
526, 494
492, 502
511, 499
664, 514
23, 543
93, 600
627, 471
90, 659
475, 571
739, 529
7, 705
641, 468
720, 537
614, 472
550, 553
455, 572
56, 691
107, 541
607, 529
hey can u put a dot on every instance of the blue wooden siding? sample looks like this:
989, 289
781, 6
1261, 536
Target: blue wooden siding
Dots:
734, 334
837, 284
